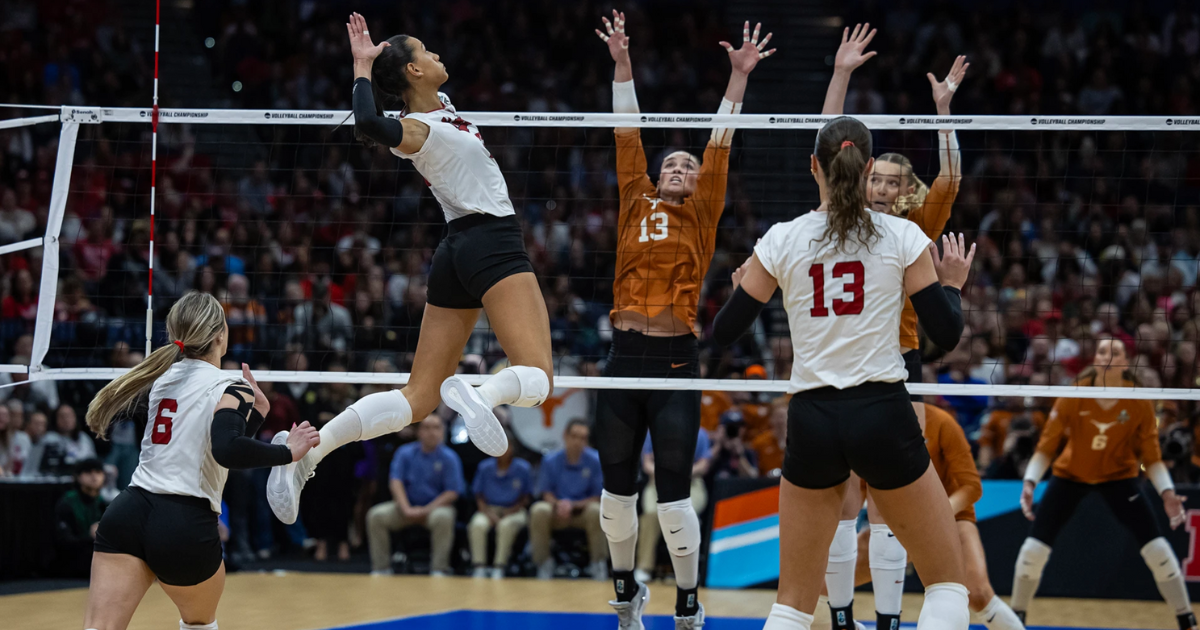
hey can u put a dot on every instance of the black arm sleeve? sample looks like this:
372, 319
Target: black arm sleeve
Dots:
232, 449
736, 317
939, 309
369, 120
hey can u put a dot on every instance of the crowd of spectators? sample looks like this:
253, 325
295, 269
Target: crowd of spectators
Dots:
319, 251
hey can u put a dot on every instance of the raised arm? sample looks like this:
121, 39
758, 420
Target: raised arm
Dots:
934, 213
742, 62
849, 56
624, 96
407, 136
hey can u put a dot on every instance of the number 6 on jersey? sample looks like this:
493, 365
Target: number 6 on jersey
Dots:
161, 434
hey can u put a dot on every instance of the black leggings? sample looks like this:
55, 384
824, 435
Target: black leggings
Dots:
672, 417
1124, 497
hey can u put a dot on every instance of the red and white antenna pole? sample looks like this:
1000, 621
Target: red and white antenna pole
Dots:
153, 179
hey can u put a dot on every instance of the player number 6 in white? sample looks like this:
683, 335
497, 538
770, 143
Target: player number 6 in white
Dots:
1099, 442
660, 230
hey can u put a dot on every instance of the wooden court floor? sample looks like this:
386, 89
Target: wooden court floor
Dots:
315, 601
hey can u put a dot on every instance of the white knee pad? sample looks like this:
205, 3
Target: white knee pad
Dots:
885, 549
618, 516
680, 526
946, 606
1161, 559
382, 413
196, 626
535, 385
844, 547
1032, 559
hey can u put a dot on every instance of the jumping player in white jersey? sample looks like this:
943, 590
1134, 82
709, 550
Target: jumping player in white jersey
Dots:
200, 423
481, 263
844, 271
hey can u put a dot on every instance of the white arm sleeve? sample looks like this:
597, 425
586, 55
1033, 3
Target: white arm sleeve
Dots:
1038, 465
949, 155
723, 136
1160, 477
624, 98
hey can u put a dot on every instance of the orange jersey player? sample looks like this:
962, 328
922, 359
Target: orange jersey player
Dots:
666, 236
1107, 441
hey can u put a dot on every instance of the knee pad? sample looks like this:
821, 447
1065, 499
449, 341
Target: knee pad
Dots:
535, 385
618, 516
1032, 559
844, 547
885, 549
680, 527
1161, 559
382, 413
947, 603
197, 626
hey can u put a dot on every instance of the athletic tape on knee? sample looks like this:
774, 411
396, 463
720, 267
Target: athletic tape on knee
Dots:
844, 547
1161, 559
1032, 559
618, 516
382, 413
885, 550
680, 527
196, 626
535, 385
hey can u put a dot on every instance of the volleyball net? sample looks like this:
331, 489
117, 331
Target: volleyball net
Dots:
319, 247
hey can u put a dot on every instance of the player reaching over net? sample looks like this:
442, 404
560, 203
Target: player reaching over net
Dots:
892, 188
667, 234
844, 271
200, 423
481, 263
1107, 442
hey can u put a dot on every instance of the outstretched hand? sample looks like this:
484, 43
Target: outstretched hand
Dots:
744, 59
261, 404
954, 264
944, 91
850, 54
361, 47
617, 40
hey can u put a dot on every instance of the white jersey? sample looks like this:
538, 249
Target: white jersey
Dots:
843, 307
458, 168
176, 453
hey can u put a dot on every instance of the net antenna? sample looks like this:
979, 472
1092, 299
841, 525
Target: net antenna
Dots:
153, 180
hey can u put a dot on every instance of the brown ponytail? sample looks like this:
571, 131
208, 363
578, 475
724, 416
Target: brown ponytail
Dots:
192, 325
842, 149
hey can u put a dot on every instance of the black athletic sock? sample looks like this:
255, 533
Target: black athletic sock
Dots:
1020, 615
687, 602
887, 622
625, 586
1187, 621
843, 618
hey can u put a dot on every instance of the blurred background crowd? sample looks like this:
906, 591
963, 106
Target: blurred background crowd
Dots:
318, 247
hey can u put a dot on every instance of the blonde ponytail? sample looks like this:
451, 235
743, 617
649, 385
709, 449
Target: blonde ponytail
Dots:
193, 324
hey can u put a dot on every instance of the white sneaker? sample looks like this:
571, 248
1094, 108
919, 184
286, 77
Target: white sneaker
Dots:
629, 614
546, 570
642, 576
482, 425
858, 625
382, 572
497, 573
285, 483
697, 621
439, 574
599, 570
480, 572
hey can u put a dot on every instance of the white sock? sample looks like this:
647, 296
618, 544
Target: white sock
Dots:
945, 608
998, 616
787, 618
196, 626
367, 418
346, 427
502, 388
623, 553
888, 561
843, 555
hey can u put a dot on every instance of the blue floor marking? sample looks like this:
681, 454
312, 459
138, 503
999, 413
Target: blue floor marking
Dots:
497, 620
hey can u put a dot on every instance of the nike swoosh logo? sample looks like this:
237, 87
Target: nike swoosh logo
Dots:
676, 366
991, 618
676, 531
1163, 563
607, 518
1133, 498
891, 535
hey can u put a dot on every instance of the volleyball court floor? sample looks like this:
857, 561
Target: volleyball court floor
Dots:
320, 601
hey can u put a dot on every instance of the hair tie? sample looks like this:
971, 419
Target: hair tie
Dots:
847, 143
178, 343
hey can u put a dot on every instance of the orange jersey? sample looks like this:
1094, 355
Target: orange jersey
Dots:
931, 217
664, 249
712, 405
995, 427
757, 418
770, 453
1102, 444
951, 456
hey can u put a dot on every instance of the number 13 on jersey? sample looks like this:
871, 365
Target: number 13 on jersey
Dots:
660, 228
854, 273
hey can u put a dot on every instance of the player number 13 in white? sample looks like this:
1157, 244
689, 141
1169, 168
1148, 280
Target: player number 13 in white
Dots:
660, 230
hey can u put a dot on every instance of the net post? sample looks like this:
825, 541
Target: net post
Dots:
48, 291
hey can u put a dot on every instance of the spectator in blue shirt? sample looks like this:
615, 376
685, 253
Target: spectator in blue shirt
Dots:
426, 479
502, 489
649, 531
568, 489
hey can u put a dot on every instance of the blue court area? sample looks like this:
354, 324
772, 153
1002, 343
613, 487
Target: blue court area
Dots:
495, 620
